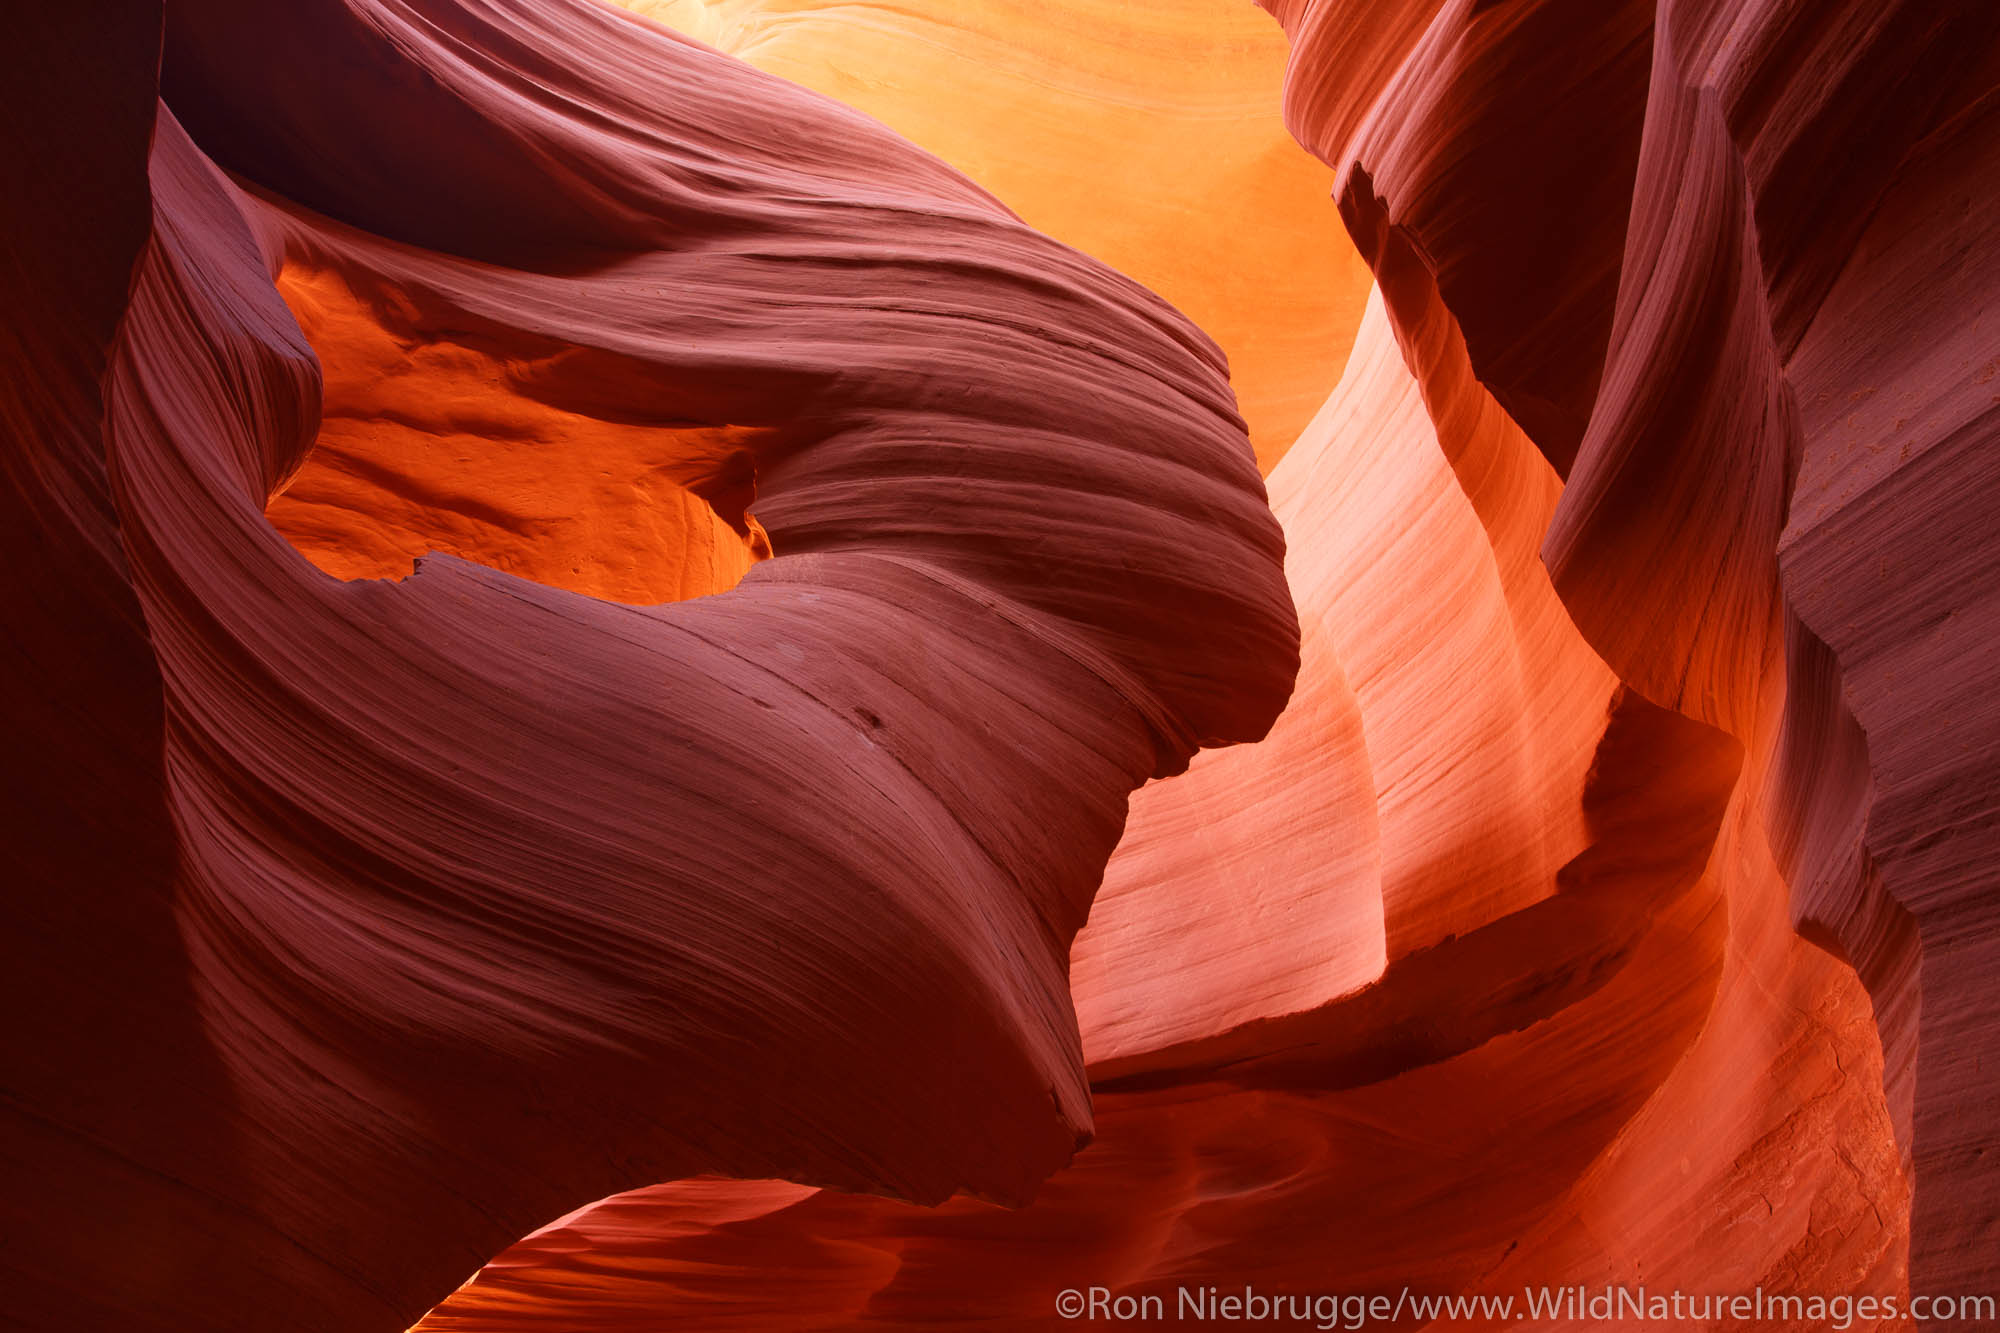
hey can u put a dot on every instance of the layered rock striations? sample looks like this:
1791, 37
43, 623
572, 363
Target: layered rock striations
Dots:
478, 895
1146, 135
1787, 161
595, 621
1612, 952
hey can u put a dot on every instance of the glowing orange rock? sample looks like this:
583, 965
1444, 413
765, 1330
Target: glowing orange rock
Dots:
1147, 136
1609, 906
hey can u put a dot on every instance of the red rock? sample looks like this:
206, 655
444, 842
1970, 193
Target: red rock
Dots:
1789, 190
1889, 558
472, 870
818, 559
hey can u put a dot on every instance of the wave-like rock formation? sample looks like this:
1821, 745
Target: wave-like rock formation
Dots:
1532, 889
467, 896
1795, 247
1146, 135
591, 620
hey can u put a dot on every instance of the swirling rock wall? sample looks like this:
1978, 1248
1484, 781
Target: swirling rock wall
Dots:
462, 868
1573, 261
416, 851
1787, 161
1146, 135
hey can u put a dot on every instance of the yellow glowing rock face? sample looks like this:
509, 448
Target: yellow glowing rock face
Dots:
1144, 132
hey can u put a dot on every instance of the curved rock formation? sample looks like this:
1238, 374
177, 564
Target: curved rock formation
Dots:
592, 617
468, 869
1427, 778
1146, 136
1787, 162
1267, 1116
1583, 249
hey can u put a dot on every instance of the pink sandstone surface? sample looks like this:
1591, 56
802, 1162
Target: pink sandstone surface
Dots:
633, 703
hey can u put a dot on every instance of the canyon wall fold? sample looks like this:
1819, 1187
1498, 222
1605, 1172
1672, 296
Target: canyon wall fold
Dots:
458, 868
1567, 873
1788, 191
635, 700
1146, 136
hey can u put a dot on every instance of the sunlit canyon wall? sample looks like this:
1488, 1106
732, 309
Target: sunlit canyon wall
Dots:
1363, 659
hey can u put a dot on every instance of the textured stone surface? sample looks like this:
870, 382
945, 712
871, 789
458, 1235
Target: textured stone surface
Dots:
591, 620
1146, 135
468, 869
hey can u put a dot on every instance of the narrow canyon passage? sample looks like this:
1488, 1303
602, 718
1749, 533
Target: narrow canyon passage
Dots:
782, 664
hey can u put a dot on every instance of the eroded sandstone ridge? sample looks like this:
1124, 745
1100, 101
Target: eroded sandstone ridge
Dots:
583, 619
370, 924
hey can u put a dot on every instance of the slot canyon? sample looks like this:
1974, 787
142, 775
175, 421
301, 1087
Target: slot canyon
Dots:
791, 664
